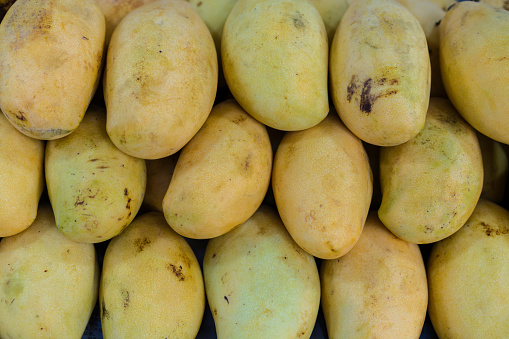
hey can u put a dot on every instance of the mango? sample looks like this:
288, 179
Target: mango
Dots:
94, 188
50, 60
259, 282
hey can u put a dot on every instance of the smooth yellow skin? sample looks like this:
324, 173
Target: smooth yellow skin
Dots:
331, 12
221, 176
323, 185
48, 283
151, 283
380, 72
115, 10
474, 40
275, 56
496, 168
468, 275
50, 59
377, 290
159, 173
431, 184
161, 79
259, 282
429, 15
21, 179
94, 188
504, 4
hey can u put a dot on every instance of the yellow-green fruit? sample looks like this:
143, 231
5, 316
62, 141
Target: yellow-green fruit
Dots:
159, 173
377, 290
431, 184
214, 14
21, 178
161, 79
259, 282
468, 275
331, 11
94, 188
50, 58
504, 4
275, 56
322, 185
474, 62
496, 168
48, 283
221, 176
151, 283
380, 72
115, 10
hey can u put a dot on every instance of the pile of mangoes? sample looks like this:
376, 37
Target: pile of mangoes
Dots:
348, 156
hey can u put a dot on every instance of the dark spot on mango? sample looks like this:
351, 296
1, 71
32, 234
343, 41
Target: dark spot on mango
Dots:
177, 271
213, 256
352, 88
140, 243
126, 297
93, 160
199, 4
367, 99
20, 116
104, 311
298, 20
215, 311
126, 192
226, 298
494, 230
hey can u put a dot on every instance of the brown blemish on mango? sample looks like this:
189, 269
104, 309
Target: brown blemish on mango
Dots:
366, 97
492, 230
141, 244
104, 311
176, 270
126, 297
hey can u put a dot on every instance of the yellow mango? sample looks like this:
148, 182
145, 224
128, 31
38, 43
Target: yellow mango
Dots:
259, 282
275, 56
377, 290
323, 185
48, 283
151, 283
50, 59
468, 275
221, 176
431, 184
474, 62
21, 179
94, 188
331, 11
380, 72
160, 80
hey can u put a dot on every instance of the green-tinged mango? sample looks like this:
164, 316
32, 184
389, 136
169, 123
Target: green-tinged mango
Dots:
431, 184
94, 188
151, 283
259, 282
48, 283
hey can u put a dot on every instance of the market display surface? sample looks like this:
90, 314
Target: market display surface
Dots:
254, 169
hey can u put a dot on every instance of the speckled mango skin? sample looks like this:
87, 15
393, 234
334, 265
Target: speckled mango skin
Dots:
380, 72
474, 63
48, 283
50, 59
259, 282
160, 80
275, 58
323, 184
431, 184
21, 179
151, 283
377, 290
221, 176
94, 188
468, 275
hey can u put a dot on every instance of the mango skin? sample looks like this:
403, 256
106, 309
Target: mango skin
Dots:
323, 184
377, 290
468, 275
50, 60
21, 179
94, 188
151, 283
160, 80
431, 184
259, 282
474, 39
48, 283
331, 12
380, 72
221, 176
275, 58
